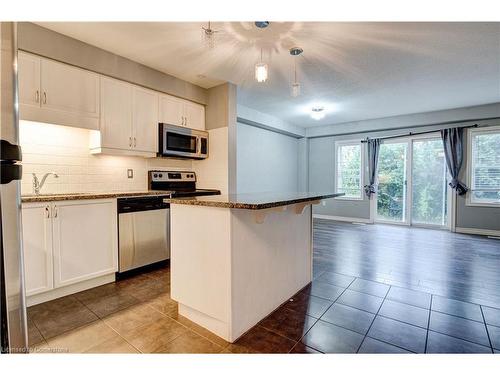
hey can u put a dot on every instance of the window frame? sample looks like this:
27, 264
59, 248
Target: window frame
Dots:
339, 144
469, 201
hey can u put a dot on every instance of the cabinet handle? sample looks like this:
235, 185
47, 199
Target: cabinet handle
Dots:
47, 212
135, 142
44, 97
186, 121
129, 141
182, 120
37, 96
55, 211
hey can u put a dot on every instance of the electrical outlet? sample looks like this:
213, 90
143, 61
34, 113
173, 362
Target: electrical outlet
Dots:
323, 203
130, 173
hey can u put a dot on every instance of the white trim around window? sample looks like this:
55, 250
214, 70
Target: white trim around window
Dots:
470, 201
357, 142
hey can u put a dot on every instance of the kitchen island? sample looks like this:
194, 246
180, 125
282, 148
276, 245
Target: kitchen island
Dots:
236, 258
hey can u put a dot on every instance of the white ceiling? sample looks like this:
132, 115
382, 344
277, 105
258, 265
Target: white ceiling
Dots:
357, 70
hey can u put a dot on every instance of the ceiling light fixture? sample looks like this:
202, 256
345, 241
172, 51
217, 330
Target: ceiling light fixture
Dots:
318, 113
295, 51
262, 24
261, 70
208, 36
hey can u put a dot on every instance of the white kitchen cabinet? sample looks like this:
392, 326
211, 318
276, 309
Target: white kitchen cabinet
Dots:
66, 243
171, 110
69, 89
129, 120
84, 240
57, 93
145, 120
194, 115
175, 111
37, 247
29, 80
116, 114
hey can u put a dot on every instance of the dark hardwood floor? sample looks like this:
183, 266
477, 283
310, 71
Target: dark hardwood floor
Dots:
457, 266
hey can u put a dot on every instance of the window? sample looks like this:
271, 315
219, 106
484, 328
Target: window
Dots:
484, 171
349, 178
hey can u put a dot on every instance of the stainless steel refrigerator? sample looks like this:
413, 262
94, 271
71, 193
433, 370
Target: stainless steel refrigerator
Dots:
13, 328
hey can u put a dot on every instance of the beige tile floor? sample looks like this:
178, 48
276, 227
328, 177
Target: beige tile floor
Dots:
135, 315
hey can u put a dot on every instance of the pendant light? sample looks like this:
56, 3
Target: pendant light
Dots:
208, 36
295, 84
295, 88
261, 71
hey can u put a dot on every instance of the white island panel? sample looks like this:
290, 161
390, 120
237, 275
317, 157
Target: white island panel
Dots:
228, 271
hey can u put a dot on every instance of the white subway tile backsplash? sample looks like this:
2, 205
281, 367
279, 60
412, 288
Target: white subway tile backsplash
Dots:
64, 150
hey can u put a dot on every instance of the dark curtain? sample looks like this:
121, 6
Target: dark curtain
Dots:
453, 139
373, 147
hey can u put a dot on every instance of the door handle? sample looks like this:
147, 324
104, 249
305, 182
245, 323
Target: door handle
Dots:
47, 212
135, 142
37, 96
55, 211
44, 97
129, 141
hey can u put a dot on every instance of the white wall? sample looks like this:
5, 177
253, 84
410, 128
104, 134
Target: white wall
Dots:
266, 160
65, 150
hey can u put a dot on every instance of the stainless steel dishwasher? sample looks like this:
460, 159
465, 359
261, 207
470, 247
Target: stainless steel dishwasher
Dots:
143, 231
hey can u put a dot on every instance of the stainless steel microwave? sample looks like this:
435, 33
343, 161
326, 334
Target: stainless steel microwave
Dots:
182, 142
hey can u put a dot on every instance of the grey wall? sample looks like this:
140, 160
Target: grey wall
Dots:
322, 178
322, 171
44, 42
267, 160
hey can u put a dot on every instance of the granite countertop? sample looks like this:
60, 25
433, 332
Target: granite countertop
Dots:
78, 196
253, 201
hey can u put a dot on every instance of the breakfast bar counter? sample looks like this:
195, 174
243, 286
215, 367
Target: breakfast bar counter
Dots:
236, 258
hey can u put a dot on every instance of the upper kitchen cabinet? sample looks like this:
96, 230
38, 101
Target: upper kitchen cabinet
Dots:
116, 114
175, 111
194, 115
57, 93
145, 120
128, 121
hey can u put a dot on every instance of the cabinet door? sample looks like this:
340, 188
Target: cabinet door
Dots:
29, 79
37, 247
171, 110
85, 240
116, 114
195, 115
145, 120
69, 89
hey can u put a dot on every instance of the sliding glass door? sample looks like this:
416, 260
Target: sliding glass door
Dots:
392, 187
412, 183
429, 191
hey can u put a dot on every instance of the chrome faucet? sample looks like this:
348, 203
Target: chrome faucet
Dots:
37, 185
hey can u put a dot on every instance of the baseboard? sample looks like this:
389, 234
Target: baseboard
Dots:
69, 289
482, 232
342, 218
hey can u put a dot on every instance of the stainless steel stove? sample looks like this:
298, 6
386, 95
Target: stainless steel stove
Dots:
179, 184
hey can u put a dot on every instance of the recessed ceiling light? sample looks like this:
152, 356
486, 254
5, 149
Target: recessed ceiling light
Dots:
317, 113
295, 51
262, 24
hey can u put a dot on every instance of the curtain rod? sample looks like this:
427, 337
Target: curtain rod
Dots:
417, 133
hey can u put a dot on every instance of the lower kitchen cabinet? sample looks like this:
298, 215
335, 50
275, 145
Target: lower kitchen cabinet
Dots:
84, 240
37, 244
68, 242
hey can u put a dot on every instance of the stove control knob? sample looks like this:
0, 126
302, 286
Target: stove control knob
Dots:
155, 175
160, 175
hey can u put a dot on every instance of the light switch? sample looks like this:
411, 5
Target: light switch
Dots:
130, 173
